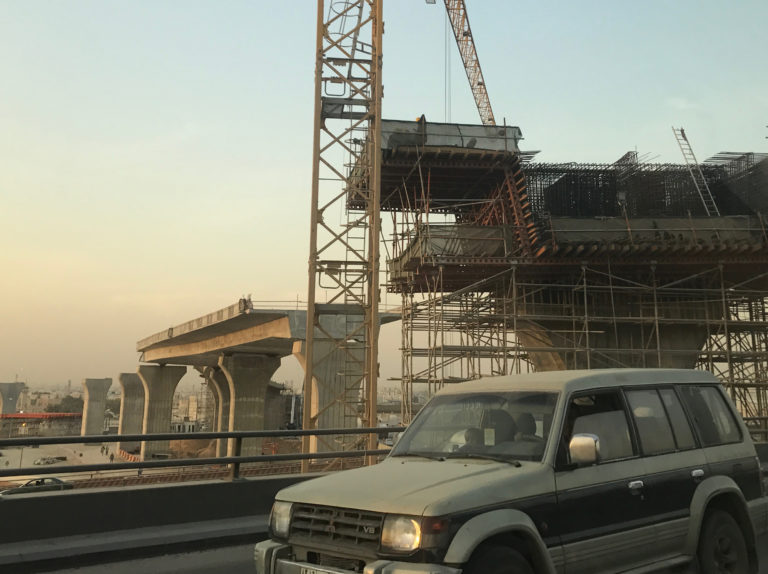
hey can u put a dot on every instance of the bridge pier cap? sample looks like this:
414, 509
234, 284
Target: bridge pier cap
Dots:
159, 382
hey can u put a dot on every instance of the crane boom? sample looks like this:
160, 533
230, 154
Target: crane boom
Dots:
457, 13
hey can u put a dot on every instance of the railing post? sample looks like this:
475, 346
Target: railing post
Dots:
234, 468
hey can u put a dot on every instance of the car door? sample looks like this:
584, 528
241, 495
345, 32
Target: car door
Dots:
674, 463
721, 436
603, 519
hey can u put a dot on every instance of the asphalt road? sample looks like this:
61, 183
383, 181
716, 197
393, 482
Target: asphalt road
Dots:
230, 559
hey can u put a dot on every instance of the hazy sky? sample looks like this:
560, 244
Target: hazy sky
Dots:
155, 157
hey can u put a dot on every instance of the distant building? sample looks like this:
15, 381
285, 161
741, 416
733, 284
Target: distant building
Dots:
193, 407
36, 401
111, 422
185, 426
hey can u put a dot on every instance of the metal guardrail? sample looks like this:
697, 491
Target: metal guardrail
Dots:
233, 462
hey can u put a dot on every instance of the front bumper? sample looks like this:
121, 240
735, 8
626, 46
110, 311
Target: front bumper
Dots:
272, 558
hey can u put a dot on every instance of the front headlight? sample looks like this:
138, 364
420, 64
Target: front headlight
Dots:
280, 518
400, 534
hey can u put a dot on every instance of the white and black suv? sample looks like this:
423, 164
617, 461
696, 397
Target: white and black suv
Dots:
623, 470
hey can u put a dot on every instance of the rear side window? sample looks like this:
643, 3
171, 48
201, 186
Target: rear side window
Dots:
651, 419
711, 415
683, 432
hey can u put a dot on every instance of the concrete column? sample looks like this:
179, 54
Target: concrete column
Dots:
9, 397
219, 385
336, 390
248, 377
131, 409
159, 383
95, 403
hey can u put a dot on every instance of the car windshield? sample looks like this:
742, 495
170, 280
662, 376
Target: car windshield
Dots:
499, 425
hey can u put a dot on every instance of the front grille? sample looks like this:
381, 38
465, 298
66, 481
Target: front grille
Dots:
351, 564
338, 527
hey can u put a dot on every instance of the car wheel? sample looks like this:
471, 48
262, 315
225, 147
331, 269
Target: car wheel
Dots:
497, 560
721, 546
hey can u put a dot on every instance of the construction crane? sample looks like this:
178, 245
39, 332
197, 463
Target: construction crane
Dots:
457, 14
341, 348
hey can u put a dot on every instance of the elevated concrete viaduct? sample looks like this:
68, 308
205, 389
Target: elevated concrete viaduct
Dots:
236, 350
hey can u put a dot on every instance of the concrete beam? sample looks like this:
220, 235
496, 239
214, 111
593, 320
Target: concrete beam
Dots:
159, 385
131, 409
276, 329
248, 377
95, 403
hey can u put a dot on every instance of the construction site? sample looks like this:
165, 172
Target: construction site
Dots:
508, 265
535, 267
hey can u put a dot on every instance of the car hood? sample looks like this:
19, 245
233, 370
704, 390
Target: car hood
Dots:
424, 487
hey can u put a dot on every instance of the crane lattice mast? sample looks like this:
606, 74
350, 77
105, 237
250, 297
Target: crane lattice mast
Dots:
457, 14
341, 354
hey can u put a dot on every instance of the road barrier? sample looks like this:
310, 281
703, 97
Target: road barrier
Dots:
233, 462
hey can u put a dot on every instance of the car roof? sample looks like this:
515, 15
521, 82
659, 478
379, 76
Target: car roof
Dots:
570, 381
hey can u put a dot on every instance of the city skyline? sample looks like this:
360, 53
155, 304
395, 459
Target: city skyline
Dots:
156, 160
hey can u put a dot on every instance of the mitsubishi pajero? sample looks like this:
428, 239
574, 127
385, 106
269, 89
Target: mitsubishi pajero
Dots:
623, 470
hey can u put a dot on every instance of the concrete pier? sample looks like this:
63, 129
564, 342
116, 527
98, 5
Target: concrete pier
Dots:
248, 377
336, 386
95, 403
131, 409
9, 397
219, 386
159, 383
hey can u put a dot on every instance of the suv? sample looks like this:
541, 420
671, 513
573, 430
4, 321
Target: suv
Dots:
621, 470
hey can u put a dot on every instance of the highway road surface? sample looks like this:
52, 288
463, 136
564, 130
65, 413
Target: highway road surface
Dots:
229, 559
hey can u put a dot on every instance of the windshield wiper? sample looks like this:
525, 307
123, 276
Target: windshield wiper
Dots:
494, 457
420, 455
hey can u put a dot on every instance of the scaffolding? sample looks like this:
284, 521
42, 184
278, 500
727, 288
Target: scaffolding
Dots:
624, 269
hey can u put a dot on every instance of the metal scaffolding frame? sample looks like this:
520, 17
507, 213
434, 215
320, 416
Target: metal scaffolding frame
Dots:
623, 274
516, 321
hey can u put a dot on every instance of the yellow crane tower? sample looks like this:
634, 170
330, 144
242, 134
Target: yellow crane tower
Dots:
343, 289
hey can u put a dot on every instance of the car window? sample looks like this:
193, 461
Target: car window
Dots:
651, 421
711, 416
514, 423
680, 425
601, 414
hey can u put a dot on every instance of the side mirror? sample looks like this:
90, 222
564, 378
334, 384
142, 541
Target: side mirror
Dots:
584, 449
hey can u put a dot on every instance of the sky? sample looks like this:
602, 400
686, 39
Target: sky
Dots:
155, 156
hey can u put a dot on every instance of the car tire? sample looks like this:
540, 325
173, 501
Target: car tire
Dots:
497, 560
721, 545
